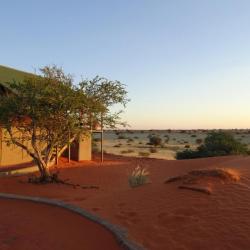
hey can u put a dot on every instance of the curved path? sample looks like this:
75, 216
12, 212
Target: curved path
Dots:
30, 225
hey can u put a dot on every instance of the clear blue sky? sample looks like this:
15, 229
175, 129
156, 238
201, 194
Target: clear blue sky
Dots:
186, 63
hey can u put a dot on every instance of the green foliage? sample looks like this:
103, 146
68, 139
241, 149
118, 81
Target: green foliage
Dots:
138, 177
49, 110
216, 144
104, 94
121, 137
155, 140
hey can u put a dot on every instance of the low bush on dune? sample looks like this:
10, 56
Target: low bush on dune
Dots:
215, 144
138, 177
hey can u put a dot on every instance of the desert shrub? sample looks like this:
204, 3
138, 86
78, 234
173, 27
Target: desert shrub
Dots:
198, 141
166, 138
144, 154
136, 137
216, 144
138, 177
193, 135
117, 145
127, 151
153, 150
140, 142
130, 140
122, 137
129, 131
187, 154
187, 146
155, 140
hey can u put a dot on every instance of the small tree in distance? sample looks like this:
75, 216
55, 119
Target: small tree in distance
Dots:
48, 112
155, 140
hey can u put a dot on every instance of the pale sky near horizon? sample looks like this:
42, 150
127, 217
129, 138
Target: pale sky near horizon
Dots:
186, 63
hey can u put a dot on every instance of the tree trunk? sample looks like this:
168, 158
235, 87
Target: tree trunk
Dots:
44, 171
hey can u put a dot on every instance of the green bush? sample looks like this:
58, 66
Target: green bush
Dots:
215, 144
155, 140
121, 137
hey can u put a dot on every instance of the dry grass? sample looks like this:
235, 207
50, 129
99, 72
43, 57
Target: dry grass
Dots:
138, 177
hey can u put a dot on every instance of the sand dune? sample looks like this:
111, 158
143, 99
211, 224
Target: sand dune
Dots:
159, 216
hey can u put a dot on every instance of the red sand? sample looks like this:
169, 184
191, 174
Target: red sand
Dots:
30, 226
159, 216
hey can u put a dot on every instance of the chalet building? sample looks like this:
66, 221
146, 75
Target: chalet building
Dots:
13, 155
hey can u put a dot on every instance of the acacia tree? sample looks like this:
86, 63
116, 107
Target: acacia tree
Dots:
48, 111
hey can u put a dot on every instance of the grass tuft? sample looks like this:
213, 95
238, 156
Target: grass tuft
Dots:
138, 177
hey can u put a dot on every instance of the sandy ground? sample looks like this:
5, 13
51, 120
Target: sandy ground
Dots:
135, 141
30, 226
159, 216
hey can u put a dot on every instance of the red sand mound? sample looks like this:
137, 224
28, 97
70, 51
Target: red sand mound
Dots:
202, 180
158, 216
30, 226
